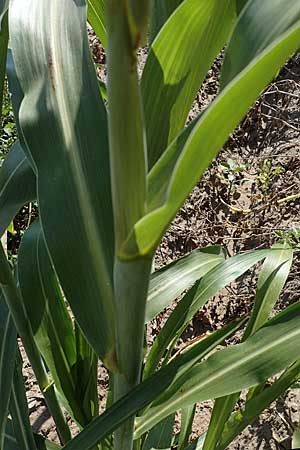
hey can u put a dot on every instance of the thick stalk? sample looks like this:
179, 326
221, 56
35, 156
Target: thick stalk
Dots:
131, 292
17, 309
127, 144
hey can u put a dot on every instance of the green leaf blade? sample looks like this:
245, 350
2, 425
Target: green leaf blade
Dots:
169, 282
73, 168
177, 64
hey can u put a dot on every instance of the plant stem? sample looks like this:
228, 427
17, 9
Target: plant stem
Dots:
128, 161
132, 280
18, 311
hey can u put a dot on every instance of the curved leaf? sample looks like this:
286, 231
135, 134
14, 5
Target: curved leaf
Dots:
264, 354
146, 392
260, 25
17, 185
271, 280
244, 416
45, 308
216, 279
161, 11
69, 125
177, 64
169, 282
211, 131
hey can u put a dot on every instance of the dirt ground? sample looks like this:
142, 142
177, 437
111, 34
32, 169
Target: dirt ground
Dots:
248, 198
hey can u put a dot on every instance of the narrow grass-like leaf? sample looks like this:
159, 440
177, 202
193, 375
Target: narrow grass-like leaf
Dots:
211, 130
169, 282
73, 170
8, 336
45, 307
177, 64
19, 410
17, 309
264, 354
17, 185
216, 279
96, 17
186, 423
244, 416
271, 280
148, 390
85, 375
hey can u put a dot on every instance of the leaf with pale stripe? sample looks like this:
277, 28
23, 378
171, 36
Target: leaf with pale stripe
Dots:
45, 308
270, 350
280, 335
67, 140
177, 64
271, 280
180, 169
216, 279
169, 282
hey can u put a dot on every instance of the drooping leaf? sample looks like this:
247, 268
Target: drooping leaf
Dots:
259, 26
216, 279
73, 170
8, 336
211, 130
177, 64
271, 280
245, 415
147, 391
270, 350
17, 185
169, 282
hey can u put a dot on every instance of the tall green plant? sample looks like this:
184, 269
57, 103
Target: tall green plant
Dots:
108, 180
